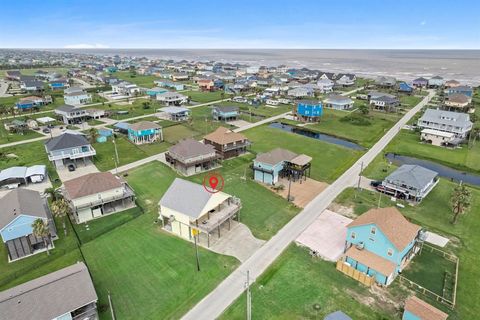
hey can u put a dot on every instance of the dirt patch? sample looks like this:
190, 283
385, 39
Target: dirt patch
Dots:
343, 210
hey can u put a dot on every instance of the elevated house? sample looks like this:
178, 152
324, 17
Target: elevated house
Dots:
338, 102
325, 85
32, 102
125, 88
30, 84
447, 121
67, 148
383, 101
457, 101
190, 157
13, 75
169, 84
405, 88
76, 96
452, 84
172, 98
152, 93
71, 115
439, 138
66, 294
144, 132
203, 215
268, 167
300, 92
436, 82
420, 82
416, 309
409, 182
20, 208
206, 84
225, 113
466, 90
385, 82
176, 113
380, 243
308, 111
227, 143
59, 84
98, 194
345, 79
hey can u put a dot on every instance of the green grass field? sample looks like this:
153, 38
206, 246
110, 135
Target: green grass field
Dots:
329, 160
295, 282
138, 79
206, 96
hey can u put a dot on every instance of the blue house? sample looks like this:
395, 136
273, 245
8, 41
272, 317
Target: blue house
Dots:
154, 91
58, 84
404, 87
308, 111
25, 104
380, 243
144, 132
416, 309
268, 167
225, 113
466, 90
20, 208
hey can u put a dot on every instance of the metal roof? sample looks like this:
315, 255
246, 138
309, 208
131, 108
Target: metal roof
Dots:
412, 176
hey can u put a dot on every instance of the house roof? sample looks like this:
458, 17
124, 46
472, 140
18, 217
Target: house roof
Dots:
301, 160
224, 136
337, 315
50, 296
458, 98
190, 148
338, 99
21, 201
370, 259
174, 110
65, 141
275, 156
424, 310
392, 223
412, 176
91, 183
65, 108
199, 200
446, 117
226, 108
144, 125
22, 172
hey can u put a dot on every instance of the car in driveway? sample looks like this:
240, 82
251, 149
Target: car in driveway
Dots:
71, 167
46, 130
375, 184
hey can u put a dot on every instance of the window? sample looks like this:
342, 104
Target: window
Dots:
390, 252
353, 235
373, 230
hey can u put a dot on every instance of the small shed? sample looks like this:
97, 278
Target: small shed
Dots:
337, 315
105, 132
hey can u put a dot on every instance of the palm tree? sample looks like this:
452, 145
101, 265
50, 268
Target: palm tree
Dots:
92, 135
61, 209
460, 201
53, 193
40, 230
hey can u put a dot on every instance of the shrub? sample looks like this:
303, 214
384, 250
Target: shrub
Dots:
356, 120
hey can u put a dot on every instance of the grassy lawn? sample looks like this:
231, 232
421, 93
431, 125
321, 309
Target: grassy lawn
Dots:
127, 152
205, 96
409, 101
294, 283
329, 160
365, 135
94, 122
434, 214
175, 133
138, 79
202, 122
90, 230
7, 136
408, 143
134, 108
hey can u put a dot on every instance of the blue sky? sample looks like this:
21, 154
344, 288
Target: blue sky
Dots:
241, 24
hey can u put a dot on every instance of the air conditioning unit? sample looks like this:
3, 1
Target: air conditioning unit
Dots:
360, 246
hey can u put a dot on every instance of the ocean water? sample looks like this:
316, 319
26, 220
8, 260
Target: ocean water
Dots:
461, 65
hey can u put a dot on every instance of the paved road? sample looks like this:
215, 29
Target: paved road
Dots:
233, 286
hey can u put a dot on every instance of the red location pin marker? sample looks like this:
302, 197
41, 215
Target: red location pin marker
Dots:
213, 182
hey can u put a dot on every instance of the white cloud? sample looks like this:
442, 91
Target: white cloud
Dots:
423, 23
86, 46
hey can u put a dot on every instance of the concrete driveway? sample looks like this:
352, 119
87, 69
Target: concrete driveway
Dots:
238, 242
81, 170
40, 187
302, 191
326, 235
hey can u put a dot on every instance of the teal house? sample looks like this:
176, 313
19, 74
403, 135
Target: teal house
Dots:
270, 166
152, 93
416, 309
144, 132
380, 243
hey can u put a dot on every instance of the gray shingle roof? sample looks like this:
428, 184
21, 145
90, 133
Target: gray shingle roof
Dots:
65, 141
275, 156
190, 148
225, 109
49, 296
186, 197
412, 176
65, 108
21, 201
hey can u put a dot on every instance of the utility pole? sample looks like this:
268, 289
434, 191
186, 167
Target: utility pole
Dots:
195, 233
249, 297
359, 179
116, 153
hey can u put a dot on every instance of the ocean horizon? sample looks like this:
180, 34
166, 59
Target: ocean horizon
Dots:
404, 64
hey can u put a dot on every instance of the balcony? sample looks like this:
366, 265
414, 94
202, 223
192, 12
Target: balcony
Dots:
86, 151
213, 220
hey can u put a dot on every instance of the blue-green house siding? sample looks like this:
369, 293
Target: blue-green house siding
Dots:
269, 174
378, 244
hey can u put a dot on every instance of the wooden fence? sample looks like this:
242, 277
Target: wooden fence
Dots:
355, 274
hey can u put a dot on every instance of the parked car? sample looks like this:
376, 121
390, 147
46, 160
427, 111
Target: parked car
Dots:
71, 167
46, 130
375, 183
